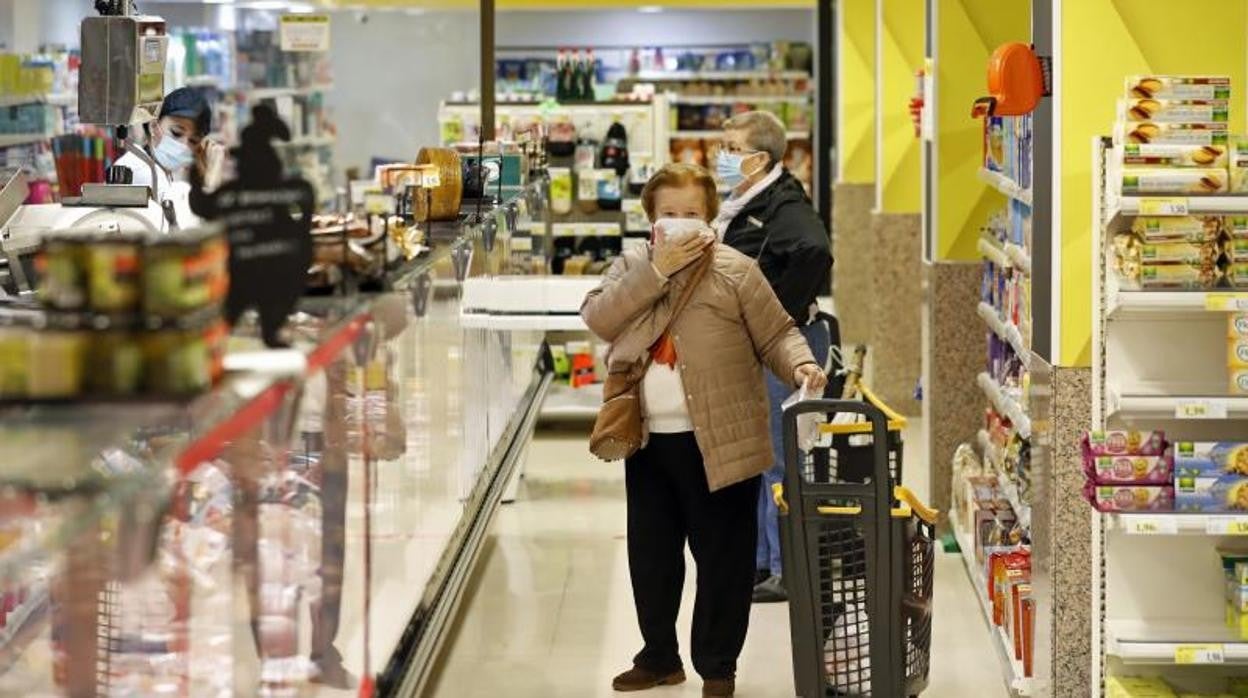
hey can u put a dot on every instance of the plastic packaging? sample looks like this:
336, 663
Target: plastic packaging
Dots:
807, 423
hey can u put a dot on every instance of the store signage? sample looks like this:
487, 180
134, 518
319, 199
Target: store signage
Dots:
1200, 654
1227, 526
305, 32
268, 222
1151, 525
1226, 302
1165, 206
1201, 409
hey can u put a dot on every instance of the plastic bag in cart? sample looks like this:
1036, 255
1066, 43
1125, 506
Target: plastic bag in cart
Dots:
808, 423
847, 652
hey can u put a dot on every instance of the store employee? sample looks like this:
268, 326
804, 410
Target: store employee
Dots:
178, 140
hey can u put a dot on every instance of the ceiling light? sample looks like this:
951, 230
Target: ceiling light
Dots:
301, 8
650, 9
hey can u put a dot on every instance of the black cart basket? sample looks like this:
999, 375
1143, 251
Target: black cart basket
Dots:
858, 555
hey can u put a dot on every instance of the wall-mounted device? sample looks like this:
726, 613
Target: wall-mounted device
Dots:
122, 79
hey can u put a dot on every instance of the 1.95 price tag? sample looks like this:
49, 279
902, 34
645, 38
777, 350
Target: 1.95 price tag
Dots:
1227, 526
1226, 302
1151, 525
1199, 654
1163, 206
1201, 409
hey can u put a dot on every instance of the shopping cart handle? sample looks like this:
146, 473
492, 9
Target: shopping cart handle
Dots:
853, 510
911, 505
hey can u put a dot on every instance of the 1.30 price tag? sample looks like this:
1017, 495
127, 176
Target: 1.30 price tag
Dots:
1199, 654
1163, 206
1227, 526
1151, 525
1201, 409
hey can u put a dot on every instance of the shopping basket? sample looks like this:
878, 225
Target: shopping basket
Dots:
858, 555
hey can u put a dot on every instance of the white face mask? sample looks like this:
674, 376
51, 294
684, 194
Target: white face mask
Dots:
173, 154
678, 229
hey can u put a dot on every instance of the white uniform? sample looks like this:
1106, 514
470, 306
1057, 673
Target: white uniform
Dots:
168, 189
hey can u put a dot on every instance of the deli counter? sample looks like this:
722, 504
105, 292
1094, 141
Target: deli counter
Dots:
307, 526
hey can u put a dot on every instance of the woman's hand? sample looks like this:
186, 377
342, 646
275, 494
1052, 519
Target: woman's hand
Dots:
671, 257
211, 163
812, 376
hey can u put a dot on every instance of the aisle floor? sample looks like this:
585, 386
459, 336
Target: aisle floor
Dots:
551, 613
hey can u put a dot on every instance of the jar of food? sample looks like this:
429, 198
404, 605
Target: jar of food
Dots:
61, 266
113, 277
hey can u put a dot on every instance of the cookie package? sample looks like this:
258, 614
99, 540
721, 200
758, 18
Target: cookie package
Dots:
1133, 443
1192, 458
1113, 498
1209, 494
1129, 470
1179, 86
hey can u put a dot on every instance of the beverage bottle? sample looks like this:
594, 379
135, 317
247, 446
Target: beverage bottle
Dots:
588, 77
561, 76
578, 76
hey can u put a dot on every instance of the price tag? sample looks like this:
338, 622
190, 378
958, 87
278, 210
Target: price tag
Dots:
1226, 302
1201, 409
1151, 525
305, 32
430, 179
1199, 654
1227, 526
1168, 206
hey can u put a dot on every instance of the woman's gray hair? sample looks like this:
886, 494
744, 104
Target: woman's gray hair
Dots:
763, 131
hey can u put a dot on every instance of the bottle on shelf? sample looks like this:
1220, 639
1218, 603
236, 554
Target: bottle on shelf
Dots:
588, 77
634, 62
577, 76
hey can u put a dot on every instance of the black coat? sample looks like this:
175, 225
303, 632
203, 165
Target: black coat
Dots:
796, 257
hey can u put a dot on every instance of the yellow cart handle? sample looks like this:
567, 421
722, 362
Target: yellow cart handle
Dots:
911, 505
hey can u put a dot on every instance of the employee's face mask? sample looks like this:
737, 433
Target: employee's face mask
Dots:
729, 165
171, 152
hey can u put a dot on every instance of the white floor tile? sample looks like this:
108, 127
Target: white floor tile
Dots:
552, 615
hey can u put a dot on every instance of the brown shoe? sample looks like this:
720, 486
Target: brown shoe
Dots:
719, 688
638, 679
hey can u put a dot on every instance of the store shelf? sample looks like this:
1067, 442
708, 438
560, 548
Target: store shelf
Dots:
1019, 258
1122, 208
1186, 407
718, 75
1015, 681
1008, 332
60, 99
738, 99
275, 92
1172, 301
994, 253
1179, 524
1005, 185
992, 456
791, 135
10, 140
1005, 405
565, 402
1175, 642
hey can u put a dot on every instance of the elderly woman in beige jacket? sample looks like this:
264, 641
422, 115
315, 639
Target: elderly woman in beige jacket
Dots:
706, 418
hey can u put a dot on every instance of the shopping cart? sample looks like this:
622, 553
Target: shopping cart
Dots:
858, 554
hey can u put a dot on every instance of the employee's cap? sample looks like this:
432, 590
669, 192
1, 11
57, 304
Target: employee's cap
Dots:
189, 104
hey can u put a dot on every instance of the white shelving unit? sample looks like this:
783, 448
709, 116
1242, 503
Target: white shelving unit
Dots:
1158, 598
1005, 404
1005, 185
1008, 332
1015, 681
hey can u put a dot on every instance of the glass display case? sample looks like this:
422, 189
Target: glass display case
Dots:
305, 527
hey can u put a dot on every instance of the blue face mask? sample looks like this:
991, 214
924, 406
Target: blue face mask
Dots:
728, 168
173, 154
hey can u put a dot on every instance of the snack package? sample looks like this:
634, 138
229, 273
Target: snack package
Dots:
1172, 133
1237, 275
1135, 443
1109, 498
1237, 597
1235, 226
1129, 470
1137, 687
1178, 275
1237, 352
1178, 87
1237, 326
1238, 164
1174, 111
1162, 155
1207, 494
1156, 180
1202, 253
1180, 228
1236, 249
1211, 458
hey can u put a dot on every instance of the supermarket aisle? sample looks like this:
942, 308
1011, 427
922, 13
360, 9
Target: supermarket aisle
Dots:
551, 614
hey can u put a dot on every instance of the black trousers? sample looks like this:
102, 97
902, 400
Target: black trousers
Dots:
668, 503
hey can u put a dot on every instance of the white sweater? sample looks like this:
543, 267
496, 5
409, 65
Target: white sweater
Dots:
663, 394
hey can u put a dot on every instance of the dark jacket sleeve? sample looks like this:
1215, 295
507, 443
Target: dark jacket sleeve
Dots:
803, 243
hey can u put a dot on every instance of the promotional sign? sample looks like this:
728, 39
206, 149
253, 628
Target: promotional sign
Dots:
305, 33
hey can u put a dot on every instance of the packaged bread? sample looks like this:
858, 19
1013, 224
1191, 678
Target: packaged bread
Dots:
1179, 228
1215, 133
1174, 111
1203, 253
1195, 180
1179, 87
1162, 155
1179, 275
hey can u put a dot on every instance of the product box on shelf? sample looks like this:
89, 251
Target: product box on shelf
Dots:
1178, 87
1174, 111
1155, 180
1238, 380
1237, 325
1178, 276
1127, 470
1157, 229
1194, 253
1130, 498
1210, 458
1210, 493
1154, 155
1237, 597
1172, 134
1137, 687
1124, 442
1237, 352
1238, 574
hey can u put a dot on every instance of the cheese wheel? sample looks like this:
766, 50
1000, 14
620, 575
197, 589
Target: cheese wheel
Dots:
445, 198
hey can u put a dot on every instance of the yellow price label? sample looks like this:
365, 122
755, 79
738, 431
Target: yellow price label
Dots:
1151, 525
1226, 302
1201, 409
1227, 526
1199, 654
1163, 206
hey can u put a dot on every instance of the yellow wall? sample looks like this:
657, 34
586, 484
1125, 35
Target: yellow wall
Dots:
969, 31
569, 4
856, 91
1103, 41
902, 35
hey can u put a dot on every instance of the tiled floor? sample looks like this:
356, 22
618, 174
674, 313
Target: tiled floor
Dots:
551, 613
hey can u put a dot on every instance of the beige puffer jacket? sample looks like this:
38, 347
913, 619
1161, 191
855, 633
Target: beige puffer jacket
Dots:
731, 326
